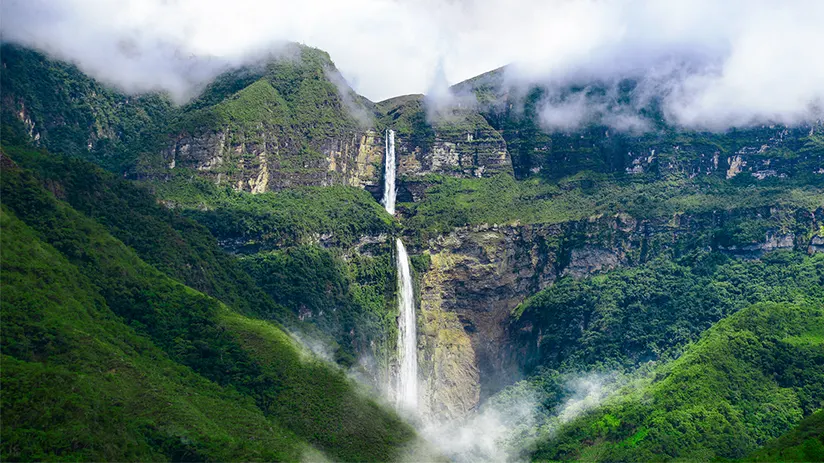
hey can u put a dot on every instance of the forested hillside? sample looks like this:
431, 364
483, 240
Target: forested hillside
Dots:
125, 318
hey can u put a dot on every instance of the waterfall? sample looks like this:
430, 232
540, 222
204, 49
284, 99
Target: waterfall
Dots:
389, 192
407, 391
407, 334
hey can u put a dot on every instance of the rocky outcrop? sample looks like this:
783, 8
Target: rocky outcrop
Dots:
456, 141
592, 259
773, 241
267, 160
461, 153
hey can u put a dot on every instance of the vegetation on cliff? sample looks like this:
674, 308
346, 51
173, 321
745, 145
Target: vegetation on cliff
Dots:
339, 215
449, 202
55, 105
626, 317
805, 442
698, 358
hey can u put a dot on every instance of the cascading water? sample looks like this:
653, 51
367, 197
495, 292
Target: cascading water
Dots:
407, 391
389, 192
407, 334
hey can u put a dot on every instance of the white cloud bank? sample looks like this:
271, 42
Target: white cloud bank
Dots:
760, 59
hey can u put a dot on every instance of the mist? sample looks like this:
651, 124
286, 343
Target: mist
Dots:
508, 425
752, 61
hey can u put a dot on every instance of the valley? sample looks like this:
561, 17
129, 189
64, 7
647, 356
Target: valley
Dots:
285, 270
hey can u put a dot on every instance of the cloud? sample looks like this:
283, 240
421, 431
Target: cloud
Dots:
444, 102
350, 99
754, 60
586, 393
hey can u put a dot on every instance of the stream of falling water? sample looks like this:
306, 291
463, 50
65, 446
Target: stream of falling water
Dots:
407, 390
389, 192
407, 334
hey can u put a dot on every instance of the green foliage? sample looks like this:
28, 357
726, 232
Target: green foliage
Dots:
179, 247
78, 384
257, 103
351, 301
453, 202
76, 115
638, 325
804, 442
626, 317
735, 389
318, 402
191, 329
339, 215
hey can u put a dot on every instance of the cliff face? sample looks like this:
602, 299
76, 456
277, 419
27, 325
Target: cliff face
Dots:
265, 161
458, 143
469, 153
758, 152
478, 275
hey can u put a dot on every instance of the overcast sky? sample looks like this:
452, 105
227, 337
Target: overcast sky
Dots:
765, 58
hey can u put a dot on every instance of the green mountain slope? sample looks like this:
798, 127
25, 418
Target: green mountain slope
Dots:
625, 318
54, 105
181, 248
306, 397
749, 379
79, 384
805, 442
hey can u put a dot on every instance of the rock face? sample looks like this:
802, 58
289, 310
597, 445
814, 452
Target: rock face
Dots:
458, 142
471, 152
478, 275
267, 160
756, 152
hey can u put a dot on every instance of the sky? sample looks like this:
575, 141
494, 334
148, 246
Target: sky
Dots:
758, 60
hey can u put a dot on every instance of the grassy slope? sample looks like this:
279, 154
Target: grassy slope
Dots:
749, 379
199, 332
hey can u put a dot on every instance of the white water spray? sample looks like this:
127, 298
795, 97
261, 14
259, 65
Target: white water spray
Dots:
389, 192
407, 334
